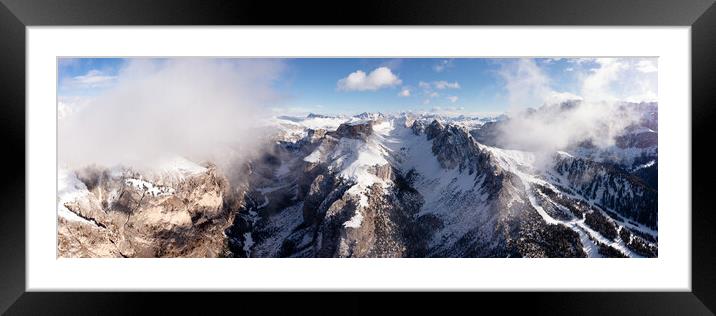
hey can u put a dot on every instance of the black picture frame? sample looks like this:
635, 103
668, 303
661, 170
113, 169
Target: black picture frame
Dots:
16, 15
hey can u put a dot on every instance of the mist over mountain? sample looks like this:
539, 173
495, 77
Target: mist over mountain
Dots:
196, 108
576, 178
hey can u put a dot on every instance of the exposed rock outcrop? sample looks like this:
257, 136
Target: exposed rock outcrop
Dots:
126, 215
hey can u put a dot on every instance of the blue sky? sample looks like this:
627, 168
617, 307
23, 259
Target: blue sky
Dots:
451, 85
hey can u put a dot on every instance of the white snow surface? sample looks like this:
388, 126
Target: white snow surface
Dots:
149, 188
355, 221
69, 189
646, 165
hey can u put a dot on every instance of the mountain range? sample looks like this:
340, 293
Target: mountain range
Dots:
379, 185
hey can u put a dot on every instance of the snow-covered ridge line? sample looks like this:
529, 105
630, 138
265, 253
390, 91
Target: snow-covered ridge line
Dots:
646, 165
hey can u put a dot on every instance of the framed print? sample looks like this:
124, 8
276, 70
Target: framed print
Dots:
469, 147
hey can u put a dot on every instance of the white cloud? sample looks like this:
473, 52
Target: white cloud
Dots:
405, 92
526, 84
597, 80
646, 96
428, 89
379, 78
582, 61
201, 109
555, 97
297, 110
453, 98
569, 69
93, 78
602, 83
441, 85
68, 105
556, 128
597, 85
646, 66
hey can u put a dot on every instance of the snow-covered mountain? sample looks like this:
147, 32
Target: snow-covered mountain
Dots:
383, 185
410, 185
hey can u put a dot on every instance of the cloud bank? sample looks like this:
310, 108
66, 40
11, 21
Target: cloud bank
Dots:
194, 108
562, 118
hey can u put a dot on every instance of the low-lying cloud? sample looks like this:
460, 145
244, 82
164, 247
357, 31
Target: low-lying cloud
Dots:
193, 108
557, 127
563, 119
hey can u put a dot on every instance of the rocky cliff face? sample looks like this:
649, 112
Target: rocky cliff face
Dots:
123, 214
